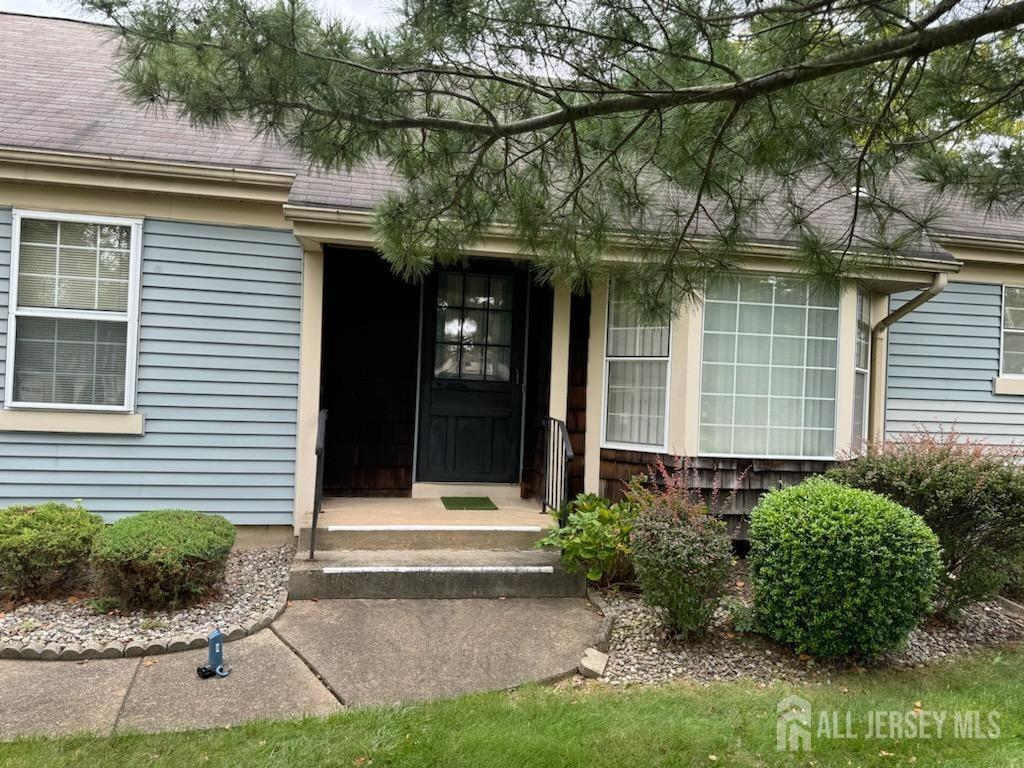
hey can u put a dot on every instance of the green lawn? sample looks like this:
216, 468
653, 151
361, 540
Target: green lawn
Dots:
684, 725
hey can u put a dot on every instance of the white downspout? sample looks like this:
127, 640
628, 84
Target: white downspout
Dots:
876, 388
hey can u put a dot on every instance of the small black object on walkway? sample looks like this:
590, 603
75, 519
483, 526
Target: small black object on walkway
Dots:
215, 659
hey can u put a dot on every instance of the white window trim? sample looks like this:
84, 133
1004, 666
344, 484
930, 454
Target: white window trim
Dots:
860, 442
131, 316
835, 388
1003, 331
643, 447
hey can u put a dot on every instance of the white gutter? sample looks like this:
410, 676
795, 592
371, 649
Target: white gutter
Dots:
876, 388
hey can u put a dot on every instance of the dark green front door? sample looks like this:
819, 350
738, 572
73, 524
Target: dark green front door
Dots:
471, 395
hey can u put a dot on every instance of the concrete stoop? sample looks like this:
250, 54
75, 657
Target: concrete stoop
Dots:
422, 536
431, 573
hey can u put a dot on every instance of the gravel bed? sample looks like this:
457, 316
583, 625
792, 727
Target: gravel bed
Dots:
641, 651
255, 584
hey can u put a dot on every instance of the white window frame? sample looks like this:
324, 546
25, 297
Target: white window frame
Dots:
835, 388
860, 442
130, 316
1003, 330
643, 447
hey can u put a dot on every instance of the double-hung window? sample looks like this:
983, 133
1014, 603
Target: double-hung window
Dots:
1013, 331
768, 374
72, 323
636, 376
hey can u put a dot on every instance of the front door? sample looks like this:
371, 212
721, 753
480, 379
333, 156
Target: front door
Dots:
471, 395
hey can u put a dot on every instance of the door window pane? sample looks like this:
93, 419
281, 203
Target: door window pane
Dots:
449, 324
474, 326
499, 363
474, 322
472, 362
501, 293
476, 291
499, 328
446, 361
449, 289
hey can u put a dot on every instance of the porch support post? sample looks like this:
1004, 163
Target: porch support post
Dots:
558, 404
310, 330
595, 388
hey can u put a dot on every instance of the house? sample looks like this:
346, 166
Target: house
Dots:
179, 306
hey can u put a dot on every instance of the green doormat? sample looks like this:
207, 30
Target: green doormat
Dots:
467, 502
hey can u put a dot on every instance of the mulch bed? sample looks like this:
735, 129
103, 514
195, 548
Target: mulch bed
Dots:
255, 582
643, 652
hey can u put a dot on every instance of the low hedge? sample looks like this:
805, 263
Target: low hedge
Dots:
971, 494
44, 548
165, 558
839, 571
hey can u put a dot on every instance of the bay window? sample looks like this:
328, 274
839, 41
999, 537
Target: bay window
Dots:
636, 376
72, 322
862, 359
768, 371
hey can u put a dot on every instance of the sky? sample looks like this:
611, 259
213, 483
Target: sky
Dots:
364, 12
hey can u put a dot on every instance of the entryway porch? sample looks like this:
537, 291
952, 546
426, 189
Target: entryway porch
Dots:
416, 548
452, 387
412, 523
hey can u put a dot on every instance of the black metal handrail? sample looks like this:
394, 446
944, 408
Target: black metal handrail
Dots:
318, 490
557, 455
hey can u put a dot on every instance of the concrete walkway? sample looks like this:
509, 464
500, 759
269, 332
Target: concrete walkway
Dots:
319, 657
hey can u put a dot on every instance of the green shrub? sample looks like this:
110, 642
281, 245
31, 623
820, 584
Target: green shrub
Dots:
44, 548
839, 571
681, 551
1014, 588
595, 539
741, 615
164, 558
970, 494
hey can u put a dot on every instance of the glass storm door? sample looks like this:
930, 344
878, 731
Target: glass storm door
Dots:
472, 380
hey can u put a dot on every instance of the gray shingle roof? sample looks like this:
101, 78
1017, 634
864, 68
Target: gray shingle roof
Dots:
59, 92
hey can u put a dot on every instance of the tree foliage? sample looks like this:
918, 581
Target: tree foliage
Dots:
681, 130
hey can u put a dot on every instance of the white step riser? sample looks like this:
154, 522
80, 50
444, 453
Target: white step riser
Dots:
511, 569
419, 536
411, 582
389, 528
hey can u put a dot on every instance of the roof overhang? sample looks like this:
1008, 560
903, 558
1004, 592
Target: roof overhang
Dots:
992, 250
316, 226
158, 177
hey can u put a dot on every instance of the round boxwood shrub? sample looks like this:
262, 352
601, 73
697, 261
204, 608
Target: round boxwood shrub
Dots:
165, 558
43, 548
839, 571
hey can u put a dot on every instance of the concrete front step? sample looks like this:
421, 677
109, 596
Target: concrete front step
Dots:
431, 573
415, 536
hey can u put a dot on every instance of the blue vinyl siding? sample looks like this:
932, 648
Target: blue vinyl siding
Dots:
218, 373
942, 360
